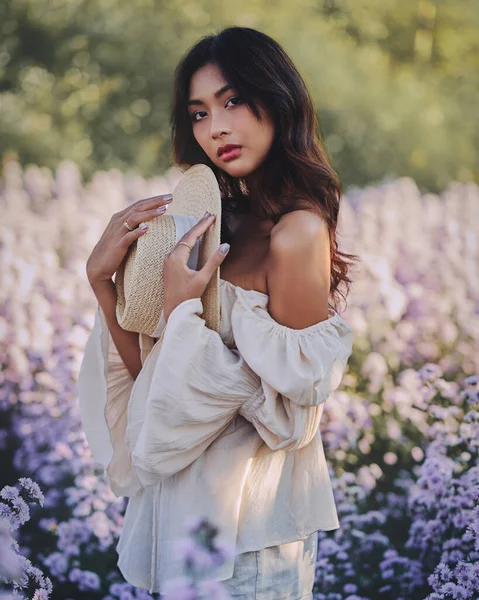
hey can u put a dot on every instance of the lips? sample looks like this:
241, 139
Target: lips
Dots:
227, 148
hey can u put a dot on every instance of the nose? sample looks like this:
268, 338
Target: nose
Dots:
219, 125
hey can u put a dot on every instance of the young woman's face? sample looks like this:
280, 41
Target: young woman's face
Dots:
225, 119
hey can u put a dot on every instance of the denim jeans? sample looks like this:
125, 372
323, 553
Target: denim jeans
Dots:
284, 572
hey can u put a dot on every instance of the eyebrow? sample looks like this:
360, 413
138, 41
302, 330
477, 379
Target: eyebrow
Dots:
219, 93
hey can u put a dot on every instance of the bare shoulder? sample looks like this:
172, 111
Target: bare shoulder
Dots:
300, 226
298, 269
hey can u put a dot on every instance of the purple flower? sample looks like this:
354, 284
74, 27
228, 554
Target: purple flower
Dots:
117, 588
33, 489
378, 431
430, 372
57, 563
184, 549
10, 564
87, 580
224, 549
180, 588
213, 590
194, 523
9, 493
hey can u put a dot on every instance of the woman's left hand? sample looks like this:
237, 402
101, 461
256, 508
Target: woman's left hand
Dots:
181, 283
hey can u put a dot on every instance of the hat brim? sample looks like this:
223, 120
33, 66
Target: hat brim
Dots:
196, 192
139, 303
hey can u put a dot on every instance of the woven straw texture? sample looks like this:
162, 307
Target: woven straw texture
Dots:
139, 279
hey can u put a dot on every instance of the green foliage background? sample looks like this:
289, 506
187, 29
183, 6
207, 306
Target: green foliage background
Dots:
395, 82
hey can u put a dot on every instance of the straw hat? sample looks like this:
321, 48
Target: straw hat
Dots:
139, 279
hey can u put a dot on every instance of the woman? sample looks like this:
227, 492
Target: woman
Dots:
255, 464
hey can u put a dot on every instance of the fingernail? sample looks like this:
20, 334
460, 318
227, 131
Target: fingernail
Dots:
167, 196
205, 215
144, 226
224, 248
161, 209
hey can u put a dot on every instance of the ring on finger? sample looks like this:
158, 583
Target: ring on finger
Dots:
129, 227
185, 244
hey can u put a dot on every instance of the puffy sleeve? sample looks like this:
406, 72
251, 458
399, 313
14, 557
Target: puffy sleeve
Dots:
190, 388
104, 388
299, 368
197, 387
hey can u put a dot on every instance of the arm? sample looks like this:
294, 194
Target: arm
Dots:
299, 270
299, 369
126, 342
294, 344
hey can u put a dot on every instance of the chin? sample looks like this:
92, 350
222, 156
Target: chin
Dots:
236, 170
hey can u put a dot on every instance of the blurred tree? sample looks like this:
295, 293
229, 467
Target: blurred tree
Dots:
395, 83
420, 60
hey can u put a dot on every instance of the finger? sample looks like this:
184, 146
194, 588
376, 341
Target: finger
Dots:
131, 236
214, 261
194, 234
140, 217
146, 204
153, 202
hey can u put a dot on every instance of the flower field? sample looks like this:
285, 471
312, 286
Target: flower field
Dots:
401, 433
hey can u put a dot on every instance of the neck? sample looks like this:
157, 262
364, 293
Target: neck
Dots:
253, 194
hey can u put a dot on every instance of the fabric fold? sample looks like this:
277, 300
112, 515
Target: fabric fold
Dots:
197, 388
299, 369
104, 389
223, 425
192, 387
305, 365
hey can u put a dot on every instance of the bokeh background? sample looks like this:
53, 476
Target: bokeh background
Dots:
85, 88
395, 82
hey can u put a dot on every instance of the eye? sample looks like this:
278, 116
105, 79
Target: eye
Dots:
235, 98
194, 115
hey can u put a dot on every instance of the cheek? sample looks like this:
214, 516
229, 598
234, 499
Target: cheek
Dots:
261, 130
266, 135
200, 136
245, 120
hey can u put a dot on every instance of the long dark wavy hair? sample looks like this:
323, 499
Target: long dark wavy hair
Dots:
296, 173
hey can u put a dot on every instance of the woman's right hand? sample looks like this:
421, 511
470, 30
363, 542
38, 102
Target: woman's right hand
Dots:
113, 245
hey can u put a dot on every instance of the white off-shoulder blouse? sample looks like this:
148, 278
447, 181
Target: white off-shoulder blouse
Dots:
219, 425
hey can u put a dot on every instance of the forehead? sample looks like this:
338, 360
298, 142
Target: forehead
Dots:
206, 81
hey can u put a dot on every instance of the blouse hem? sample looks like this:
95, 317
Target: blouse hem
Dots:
224, 571
294, 538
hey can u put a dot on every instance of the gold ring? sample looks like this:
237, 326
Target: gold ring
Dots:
128, 226
185, 244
